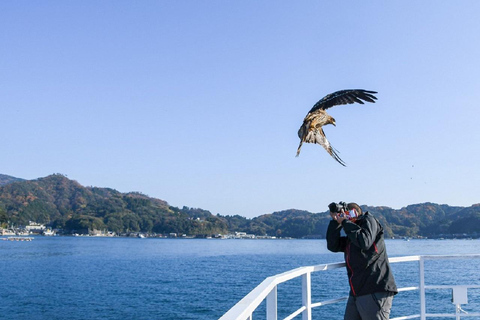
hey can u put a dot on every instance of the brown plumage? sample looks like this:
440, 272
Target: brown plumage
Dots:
311, 130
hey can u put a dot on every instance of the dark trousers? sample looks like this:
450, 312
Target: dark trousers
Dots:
374, 306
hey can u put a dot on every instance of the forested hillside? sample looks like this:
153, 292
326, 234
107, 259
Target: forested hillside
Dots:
62, 203
65, 204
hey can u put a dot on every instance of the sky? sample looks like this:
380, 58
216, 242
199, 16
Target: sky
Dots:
198, 103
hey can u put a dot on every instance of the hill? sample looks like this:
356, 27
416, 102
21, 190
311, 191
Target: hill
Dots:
426, 220
63, 203
4, 179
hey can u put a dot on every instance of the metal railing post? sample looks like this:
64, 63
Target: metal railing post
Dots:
307, 296
272, 304
423, 308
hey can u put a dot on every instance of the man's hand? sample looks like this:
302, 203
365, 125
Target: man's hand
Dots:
333, 215
339, 217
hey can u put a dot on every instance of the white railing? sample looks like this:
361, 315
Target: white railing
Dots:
267, 290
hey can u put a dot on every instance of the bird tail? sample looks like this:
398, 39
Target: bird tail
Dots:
334, 154
318, 137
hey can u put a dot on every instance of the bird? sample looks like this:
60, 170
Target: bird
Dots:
311, 130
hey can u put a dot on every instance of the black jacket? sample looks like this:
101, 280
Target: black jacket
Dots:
365, 255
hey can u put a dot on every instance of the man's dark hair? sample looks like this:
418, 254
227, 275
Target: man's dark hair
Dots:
353, 205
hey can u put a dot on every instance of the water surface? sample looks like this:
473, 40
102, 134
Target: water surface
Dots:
119, 278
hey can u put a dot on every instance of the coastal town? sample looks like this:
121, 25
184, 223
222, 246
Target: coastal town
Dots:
25, 233
39, 229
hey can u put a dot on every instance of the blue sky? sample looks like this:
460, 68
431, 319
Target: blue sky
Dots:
198, 102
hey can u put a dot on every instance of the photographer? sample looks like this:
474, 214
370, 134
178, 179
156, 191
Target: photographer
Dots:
372, 285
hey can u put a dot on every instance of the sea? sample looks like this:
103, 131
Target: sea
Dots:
131, 278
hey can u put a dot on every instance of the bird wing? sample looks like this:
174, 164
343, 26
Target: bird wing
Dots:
344, 97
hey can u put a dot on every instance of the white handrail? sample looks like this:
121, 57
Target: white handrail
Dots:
267, 290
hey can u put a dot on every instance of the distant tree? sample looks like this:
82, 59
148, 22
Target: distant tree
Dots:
146, 224
466, 224
131, 222
83, 222
3, 218
114, 224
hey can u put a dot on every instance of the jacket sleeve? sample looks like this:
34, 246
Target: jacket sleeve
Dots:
364, 234
335, 242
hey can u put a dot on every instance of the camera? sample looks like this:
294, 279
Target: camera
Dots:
351, 215
337, 207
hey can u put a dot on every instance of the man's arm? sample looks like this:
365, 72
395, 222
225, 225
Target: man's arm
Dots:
335, 242
361, 236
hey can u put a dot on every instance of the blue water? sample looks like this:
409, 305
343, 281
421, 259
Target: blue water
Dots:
120, 278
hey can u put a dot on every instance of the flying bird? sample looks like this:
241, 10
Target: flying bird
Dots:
311, 130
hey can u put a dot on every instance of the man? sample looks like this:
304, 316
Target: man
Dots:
372, 285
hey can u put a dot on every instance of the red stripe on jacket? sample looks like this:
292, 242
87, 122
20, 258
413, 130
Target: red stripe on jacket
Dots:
349, 267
